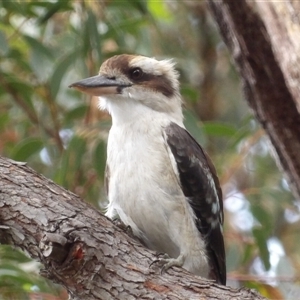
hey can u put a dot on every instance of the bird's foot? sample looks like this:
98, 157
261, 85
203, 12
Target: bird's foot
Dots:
166, 262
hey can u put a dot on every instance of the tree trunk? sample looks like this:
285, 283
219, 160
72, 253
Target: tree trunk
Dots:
83, 250
263, 38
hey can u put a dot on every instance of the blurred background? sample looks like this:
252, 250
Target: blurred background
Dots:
45, 46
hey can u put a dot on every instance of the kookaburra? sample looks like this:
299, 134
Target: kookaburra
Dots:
160, 182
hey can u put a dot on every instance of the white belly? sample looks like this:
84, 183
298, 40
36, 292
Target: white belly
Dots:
145, 193
141, 187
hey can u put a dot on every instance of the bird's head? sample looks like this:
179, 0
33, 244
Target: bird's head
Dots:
126, 82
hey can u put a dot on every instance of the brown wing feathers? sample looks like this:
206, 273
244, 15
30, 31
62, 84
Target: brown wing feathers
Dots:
201, 186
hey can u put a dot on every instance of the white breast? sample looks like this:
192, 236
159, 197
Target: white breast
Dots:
144, 191
143, 187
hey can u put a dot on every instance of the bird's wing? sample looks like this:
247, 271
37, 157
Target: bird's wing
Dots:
200, 185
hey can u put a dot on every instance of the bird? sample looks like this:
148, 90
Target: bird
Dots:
159, 181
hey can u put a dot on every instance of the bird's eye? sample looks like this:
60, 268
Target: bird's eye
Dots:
136, 73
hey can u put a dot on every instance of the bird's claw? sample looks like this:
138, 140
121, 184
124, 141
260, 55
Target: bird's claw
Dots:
167, 262
160, 261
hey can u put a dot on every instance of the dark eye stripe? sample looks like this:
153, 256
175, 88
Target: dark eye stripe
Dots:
158, 83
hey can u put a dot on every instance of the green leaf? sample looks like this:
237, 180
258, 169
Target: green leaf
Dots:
193, 125
36, 45
53, 8
16, 7
41, 59
218, 129
245, 130
7, 253
26, 148
21, 88
159, 10
71, 161
240, 135
262, 233
261, 238
76, 113
131, 26
4, 48
20, 59
248, 254
262, 216
61, 68
133, 6
100, 158
94, 37
4, 120
189, 93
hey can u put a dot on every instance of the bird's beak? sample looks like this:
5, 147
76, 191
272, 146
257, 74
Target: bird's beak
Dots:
99, 85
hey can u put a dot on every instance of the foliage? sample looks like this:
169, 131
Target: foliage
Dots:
45, 46
19, 279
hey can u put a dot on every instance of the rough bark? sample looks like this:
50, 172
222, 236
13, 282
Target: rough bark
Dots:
83, 250
261, 36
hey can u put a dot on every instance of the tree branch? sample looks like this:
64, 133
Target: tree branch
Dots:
267, 91
83, 250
